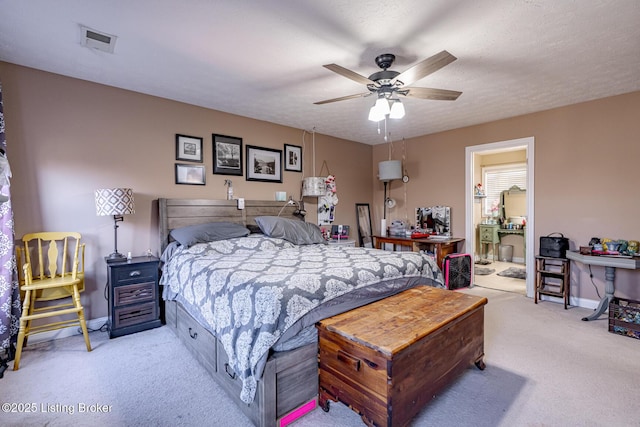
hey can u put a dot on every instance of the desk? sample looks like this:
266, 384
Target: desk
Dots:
440, 247
610, 264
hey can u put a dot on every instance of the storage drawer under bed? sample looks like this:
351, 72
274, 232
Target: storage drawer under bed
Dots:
289, 382
200, 342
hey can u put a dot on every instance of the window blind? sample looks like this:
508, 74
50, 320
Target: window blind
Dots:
499, 178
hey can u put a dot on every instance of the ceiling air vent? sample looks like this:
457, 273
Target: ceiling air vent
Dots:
97, 40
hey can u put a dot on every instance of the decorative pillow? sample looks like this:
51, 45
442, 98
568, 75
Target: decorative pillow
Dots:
209, 232
291, 230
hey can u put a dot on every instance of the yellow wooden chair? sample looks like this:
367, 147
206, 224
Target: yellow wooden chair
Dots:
53, 269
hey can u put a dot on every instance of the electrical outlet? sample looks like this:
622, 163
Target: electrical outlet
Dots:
240, 203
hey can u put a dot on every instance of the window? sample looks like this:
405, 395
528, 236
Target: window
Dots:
499, 178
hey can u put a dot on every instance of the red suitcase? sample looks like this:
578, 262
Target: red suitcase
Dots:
458, 271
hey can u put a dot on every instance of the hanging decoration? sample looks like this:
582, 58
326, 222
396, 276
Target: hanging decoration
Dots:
328, 201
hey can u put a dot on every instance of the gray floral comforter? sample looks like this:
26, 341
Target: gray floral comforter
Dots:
251, 291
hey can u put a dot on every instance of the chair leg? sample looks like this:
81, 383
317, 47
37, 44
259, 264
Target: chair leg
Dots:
22, 330
32, 307
83, 322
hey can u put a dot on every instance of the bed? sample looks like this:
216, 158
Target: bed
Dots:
245, 303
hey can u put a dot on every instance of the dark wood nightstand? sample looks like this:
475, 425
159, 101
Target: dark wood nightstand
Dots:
134, 300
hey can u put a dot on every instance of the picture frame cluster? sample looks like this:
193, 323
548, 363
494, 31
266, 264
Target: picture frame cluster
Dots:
261, 163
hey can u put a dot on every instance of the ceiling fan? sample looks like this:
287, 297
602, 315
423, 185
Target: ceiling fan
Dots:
387, 84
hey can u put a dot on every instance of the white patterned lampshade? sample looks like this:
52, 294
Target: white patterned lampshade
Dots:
114, 201
314, 186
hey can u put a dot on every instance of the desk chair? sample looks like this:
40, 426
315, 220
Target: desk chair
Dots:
53, 270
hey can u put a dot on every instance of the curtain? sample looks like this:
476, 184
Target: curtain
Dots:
10, 307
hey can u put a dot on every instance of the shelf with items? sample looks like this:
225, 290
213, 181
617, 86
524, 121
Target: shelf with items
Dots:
552, 278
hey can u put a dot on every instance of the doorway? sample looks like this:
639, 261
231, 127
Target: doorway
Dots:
471, 168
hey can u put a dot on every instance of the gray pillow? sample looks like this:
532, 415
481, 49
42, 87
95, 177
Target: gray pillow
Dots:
209, 232
291, 230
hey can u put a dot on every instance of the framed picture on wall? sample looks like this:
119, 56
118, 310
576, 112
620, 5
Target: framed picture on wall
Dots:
292, 158
190, 174
188, 148
227, 155
264, 164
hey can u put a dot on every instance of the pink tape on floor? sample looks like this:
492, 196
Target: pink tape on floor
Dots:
297, 413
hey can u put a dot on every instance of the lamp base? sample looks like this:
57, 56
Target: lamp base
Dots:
116, 257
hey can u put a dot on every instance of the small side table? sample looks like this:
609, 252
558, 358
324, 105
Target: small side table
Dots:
342, 242
552, 278
134, 300
489, 236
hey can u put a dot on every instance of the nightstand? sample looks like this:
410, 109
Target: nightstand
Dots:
489, 236
342, 242
134, 300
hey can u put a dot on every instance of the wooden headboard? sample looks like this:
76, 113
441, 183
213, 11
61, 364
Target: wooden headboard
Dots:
175, 213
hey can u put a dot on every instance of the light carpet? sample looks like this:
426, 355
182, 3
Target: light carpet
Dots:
545, 367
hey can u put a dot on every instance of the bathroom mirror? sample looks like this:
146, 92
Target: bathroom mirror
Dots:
514, 203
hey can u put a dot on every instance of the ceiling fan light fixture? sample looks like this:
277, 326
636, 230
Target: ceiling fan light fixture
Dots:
397, 110
382, 105
374, 114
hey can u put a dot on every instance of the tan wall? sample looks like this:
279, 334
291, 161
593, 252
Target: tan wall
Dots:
586, 179
68, 137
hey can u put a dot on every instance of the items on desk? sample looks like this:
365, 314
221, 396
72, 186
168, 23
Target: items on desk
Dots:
607, 246
422, 233
398, 228
339, 232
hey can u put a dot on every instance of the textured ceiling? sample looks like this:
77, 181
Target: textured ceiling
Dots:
263, 59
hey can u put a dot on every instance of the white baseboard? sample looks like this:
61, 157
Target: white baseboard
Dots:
574, 302
93, 324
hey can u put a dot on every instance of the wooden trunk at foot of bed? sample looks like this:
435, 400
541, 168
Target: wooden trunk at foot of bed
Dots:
289, 381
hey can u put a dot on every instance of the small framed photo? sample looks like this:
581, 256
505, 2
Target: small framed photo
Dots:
264, 164
190, 174
292, 158
188, 148
227, 155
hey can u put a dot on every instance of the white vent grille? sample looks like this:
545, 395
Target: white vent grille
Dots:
97, 40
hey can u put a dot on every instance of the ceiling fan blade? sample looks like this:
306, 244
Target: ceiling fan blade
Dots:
342, 98
435, 94
349, 74
424, 68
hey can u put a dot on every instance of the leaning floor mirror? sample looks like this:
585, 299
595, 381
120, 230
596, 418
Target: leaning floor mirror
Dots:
365, 232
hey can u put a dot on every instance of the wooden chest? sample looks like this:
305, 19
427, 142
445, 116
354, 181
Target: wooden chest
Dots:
388, 359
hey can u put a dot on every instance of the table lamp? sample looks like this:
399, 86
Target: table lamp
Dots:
116, 202
388, 170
